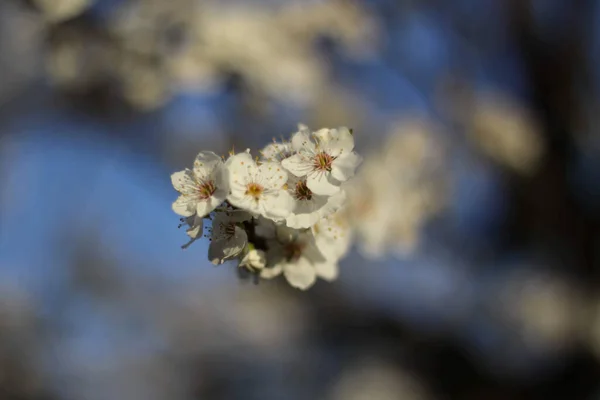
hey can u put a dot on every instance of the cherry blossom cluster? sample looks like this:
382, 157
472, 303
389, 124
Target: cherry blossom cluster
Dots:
279, 213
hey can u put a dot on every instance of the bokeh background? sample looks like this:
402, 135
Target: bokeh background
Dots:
101, 100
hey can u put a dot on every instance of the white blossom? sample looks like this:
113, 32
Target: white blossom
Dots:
295, 254
310, 207
61, 10
387, 213
254, 259
272, 221
195, 229
228, 238
325, 157
277, 151
333, 235
397, 190
202, 189
371, 208
258, 189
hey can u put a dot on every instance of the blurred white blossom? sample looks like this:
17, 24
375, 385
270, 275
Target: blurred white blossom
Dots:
60, 10
378, 380
160, 48
506, 131
543, 309
333, 235
397, 190
21, 42
499, 126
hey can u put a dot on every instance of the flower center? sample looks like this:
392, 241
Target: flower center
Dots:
254, 190
302, 191
222, 230
293, 251
229, 230
206, 190
322, 161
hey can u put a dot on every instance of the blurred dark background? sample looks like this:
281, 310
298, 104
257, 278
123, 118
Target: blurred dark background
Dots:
101, 100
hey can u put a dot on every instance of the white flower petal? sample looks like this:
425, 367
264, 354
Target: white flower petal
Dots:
239, 163
298, 164
323, 135
306, 206
206, 163
334, 243
195, 230
278, 207
183, 180
184, 206
303, 128
237, 242
221, 193
277, 152
196, 225
333, 204
216, 251
344, 166
272, 272
302, 221
272, 175
271, 151
327, 270
254, 259
306, 212
221, 250
302, 141
300, 274
311, 251
340, 141
220, 178
319, 183
243, 202
203, 207
237, 185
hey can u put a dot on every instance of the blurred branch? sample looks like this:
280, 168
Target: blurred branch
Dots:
545, 212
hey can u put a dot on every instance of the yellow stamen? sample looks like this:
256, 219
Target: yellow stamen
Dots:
254, 190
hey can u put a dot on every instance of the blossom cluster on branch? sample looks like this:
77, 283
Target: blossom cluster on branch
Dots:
279, 213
